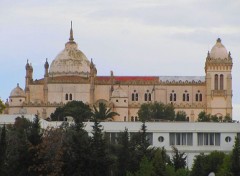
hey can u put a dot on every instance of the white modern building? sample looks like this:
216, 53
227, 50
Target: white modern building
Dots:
192, 138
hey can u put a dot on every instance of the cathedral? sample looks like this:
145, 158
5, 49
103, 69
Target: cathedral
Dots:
71, 76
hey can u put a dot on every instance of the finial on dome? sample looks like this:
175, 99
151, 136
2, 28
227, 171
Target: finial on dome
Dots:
71, 34
219, 40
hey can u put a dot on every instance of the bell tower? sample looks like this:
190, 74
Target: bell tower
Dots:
218, 69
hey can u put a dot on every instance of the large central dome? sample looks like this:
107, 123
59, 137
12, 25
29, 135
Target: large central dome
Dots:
71, 61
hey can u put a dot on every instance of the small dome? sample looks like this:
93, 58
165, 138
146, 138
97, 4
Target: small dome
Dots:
17, 92
119, 93
71, 61
219, 51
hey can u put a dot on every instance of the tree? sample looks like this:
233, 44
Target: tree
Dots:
102, 113
3, 147
76, 151
18, 156
144, 112
159, 163
156, 110
213, 161
2, 106
181, 116
204, 117
100, 158
35, 135
235, 159
214, 118
205, 164
198, 168
48, 156
77, 109
123, 153
146, 168
178, 159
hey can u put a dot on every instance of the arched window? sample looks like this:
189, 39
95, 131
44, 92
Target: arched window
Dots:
196, 97
134, 96
70, 96
66, 97
136, 119
147, 96
216, 82
132, 118
200, 97
125, 118
173, 96
221, 82
185, 96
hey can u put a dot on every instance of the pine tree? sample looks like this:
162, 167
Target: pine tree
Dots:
101, 161
179, 159
159, 164
3, 147
235, 160
123, 152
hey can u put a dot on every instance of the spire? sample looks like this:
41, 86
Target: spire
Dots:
71, 34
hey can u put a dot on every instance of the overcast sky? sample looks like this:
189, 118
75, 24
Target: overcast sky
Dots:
130, 37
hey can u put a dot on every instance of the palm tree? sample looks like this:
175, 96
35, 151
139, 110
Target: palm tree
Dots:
102, 113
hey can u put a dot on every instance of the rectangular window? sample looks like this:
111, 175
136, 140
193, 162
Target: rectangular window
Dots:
172, 138
209, 139
150, 138
180, 138
189, 139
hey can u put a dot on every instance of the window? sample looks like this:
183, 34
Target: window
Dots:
147, 96
209, 139
216, 82
132, 119
116, 100
198, 96
70, 96
136, 119
134, 96
228, 139
66, 97
173, 96
221, 82
125, 118
185, 96
181, 138
160, 138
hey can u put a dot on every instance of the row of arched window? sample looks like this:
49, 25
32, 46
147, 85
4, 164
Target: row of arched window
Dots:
218, 82
68, 96
147, 96
185, 97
